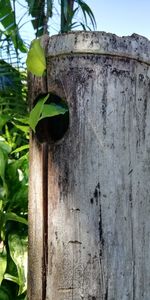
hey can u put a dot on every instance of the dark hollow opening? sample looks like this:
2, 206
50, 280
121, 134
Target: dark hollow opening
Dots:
52, 129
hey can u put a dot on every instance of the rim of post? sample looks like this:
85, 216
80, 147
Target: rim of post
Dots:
96, 42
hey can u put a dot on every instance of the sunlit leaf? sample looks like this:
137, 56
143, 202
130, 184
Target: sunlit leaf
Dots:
23, 128
18, 252
11, 278
10, 216
36, 62
19, 149
42, 110
2, 164
36, 112
3, 263
51, 110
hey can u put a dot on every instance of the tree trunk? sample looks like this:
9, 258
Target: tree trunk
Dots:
97, 216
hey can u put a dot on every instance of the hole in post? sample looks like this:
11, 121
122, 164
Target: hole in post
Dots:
52, 129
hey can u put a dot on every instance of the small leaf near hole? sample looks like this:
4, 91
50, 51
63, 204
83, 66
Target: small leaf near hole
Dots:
42, 110
51, 110
36, 62
36, 112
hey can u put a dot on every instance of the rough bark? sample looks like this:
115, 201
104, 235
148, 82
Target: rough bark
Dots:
98, 217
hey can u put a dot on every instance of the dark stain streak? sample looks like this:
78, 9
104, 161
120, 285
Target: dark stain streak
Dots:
104, 101
63, 181
45, 218
130, 194
96, 194
106, 293
130, 171
97, 198
91, 200
144, 117
56, 235
101, 228
66, 289
75, 242
91, 297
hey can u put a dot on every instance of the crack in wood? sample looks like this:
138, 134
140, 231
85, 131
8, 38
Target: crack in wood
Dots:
45, 217
74, 242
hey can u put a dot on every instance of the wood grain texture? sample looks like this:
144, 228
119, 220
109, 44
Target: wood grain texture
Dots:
99, 175
36, 273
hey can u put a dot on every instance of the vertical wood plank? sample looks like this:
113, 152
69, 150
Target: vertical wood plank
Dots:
37, 195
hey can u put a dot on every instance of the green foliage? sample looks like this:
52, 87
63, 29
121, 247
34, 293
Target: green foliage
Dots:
3, 261
14, 130
42, 110
36, 62
14, 135
12, 93
69, 10
13, 212
7, 19
40, 11
18, 252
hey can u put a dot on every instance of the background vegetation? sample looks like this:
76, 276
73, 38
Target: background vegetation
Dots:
14, 131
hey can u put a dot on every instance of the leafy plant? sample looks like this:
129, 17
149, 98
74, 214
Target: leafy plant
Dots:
14, 128
13, 213
36, 64
8, 21
69, 10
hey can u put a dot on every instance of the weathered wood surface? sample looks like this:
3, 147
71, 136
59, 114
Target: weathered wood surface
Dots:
98, 217
36, 213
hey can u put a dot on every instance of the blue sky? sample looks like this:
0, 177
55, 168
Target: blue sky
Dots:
122, 17
115, 16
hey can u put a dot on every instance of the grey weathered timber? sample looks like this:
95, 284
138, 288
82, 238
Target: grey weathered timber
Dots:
36, 214
97, 216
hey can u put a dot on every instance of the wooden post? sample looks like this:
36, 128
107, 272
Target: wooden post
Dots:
89, 206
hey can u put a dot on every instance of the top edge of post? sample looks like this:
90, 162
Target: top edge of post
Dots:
101, 43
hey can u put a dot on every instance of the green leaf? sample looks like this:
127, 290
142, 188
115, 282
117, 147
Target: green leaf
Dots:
36, 112
2, 224
8, 21
3, 294
86, 10
37, 9
3, 120
1, 204
65, 8
10, 216
18, 252
23, 128
41, 111
49, 8
4, 146
19, 149
11, 278
36, 62
51, 110
3, 263
2, 164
